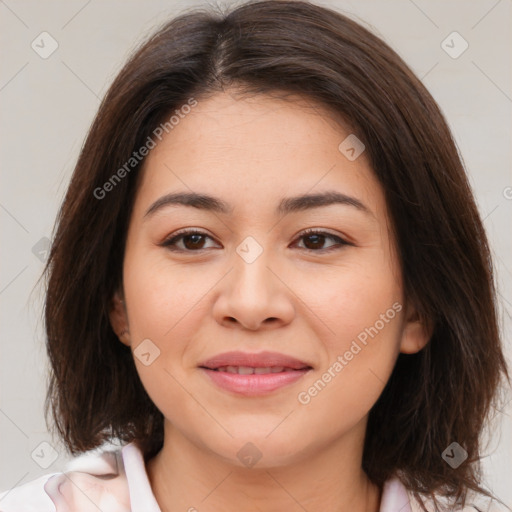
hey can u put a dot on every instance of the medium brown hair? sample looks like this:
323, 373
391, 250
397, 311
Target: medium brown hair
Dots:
442, 394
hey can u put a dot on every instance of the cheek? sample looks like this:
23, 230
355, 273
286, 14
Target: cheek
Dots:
165, 308
162, 296
358, 365
358, 319
350, 299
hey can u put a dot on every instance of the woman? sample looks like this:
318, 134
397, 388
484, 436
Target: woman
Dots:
269, 281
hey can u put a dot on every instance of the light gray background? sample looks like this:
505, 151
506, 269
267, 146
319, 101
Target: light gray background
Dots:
48, 105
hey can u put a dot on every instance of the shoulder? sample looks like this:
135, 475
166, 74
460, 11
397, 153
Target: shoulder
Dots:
92, 481
474, 503
397, 498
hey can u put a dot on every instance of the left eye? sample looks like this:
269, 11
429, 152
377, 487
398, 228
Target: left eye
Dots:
193, 241
318, 238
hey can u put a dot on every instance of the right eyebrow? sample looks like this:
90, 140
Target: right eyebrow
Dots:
199, 201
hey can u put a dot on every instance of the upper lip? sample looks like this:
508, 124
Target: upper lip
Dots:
253, 360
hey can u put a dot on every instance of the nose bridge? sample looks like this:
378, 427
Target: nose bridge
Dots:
251, 275
252, 293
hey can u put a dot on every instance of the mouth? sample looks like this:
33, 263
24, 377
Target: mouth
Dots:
250, 370
253, 374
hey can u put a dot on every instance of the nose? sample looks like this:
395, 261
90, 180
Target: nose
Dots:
254, 296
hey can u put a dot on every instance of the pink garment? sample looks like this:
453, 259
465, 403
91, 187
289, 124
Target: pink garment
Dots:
116, 481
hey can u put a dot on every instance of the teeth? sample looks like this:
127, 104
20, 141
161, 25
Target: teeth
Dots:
249, 370
261, 371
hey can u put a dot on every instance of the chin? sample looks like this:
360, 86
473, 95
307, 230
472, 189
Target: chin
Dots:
258, 450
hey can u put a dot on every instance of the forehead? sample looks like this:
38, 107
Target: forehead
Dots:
255, 126
254, 149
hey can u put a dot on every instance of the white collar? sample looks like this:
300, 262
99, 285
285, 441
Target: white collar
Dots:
142, 498
113, 478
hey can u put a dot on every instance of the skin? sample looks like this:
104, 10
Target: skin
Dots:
251, 153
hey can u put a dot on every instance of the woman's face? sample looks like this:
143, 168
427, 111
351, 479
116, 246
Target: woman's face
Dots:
253, 281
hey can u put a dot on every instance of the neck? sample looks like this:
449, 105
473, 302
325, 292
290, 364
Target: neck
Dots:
189, 478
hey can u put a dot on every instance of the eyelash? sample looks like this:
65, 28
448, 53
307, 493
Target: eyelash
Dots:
170, 243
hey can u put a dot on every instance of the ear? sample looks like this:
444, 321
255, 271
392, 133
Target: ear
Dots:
119, 318
417, 332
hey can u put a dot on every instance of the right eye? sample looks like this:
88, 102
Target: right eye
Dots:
191, 241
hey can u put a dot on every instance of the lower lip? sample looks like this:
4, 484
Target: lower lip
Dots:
253, 385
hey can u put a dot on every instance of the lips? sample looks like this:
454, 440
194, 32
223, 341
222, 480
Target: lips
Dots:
249, 370
245, 361
247, 374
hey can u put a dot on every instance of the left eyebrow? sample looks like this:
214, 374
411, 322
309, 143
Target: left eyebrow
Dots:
286, 205
309, 201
